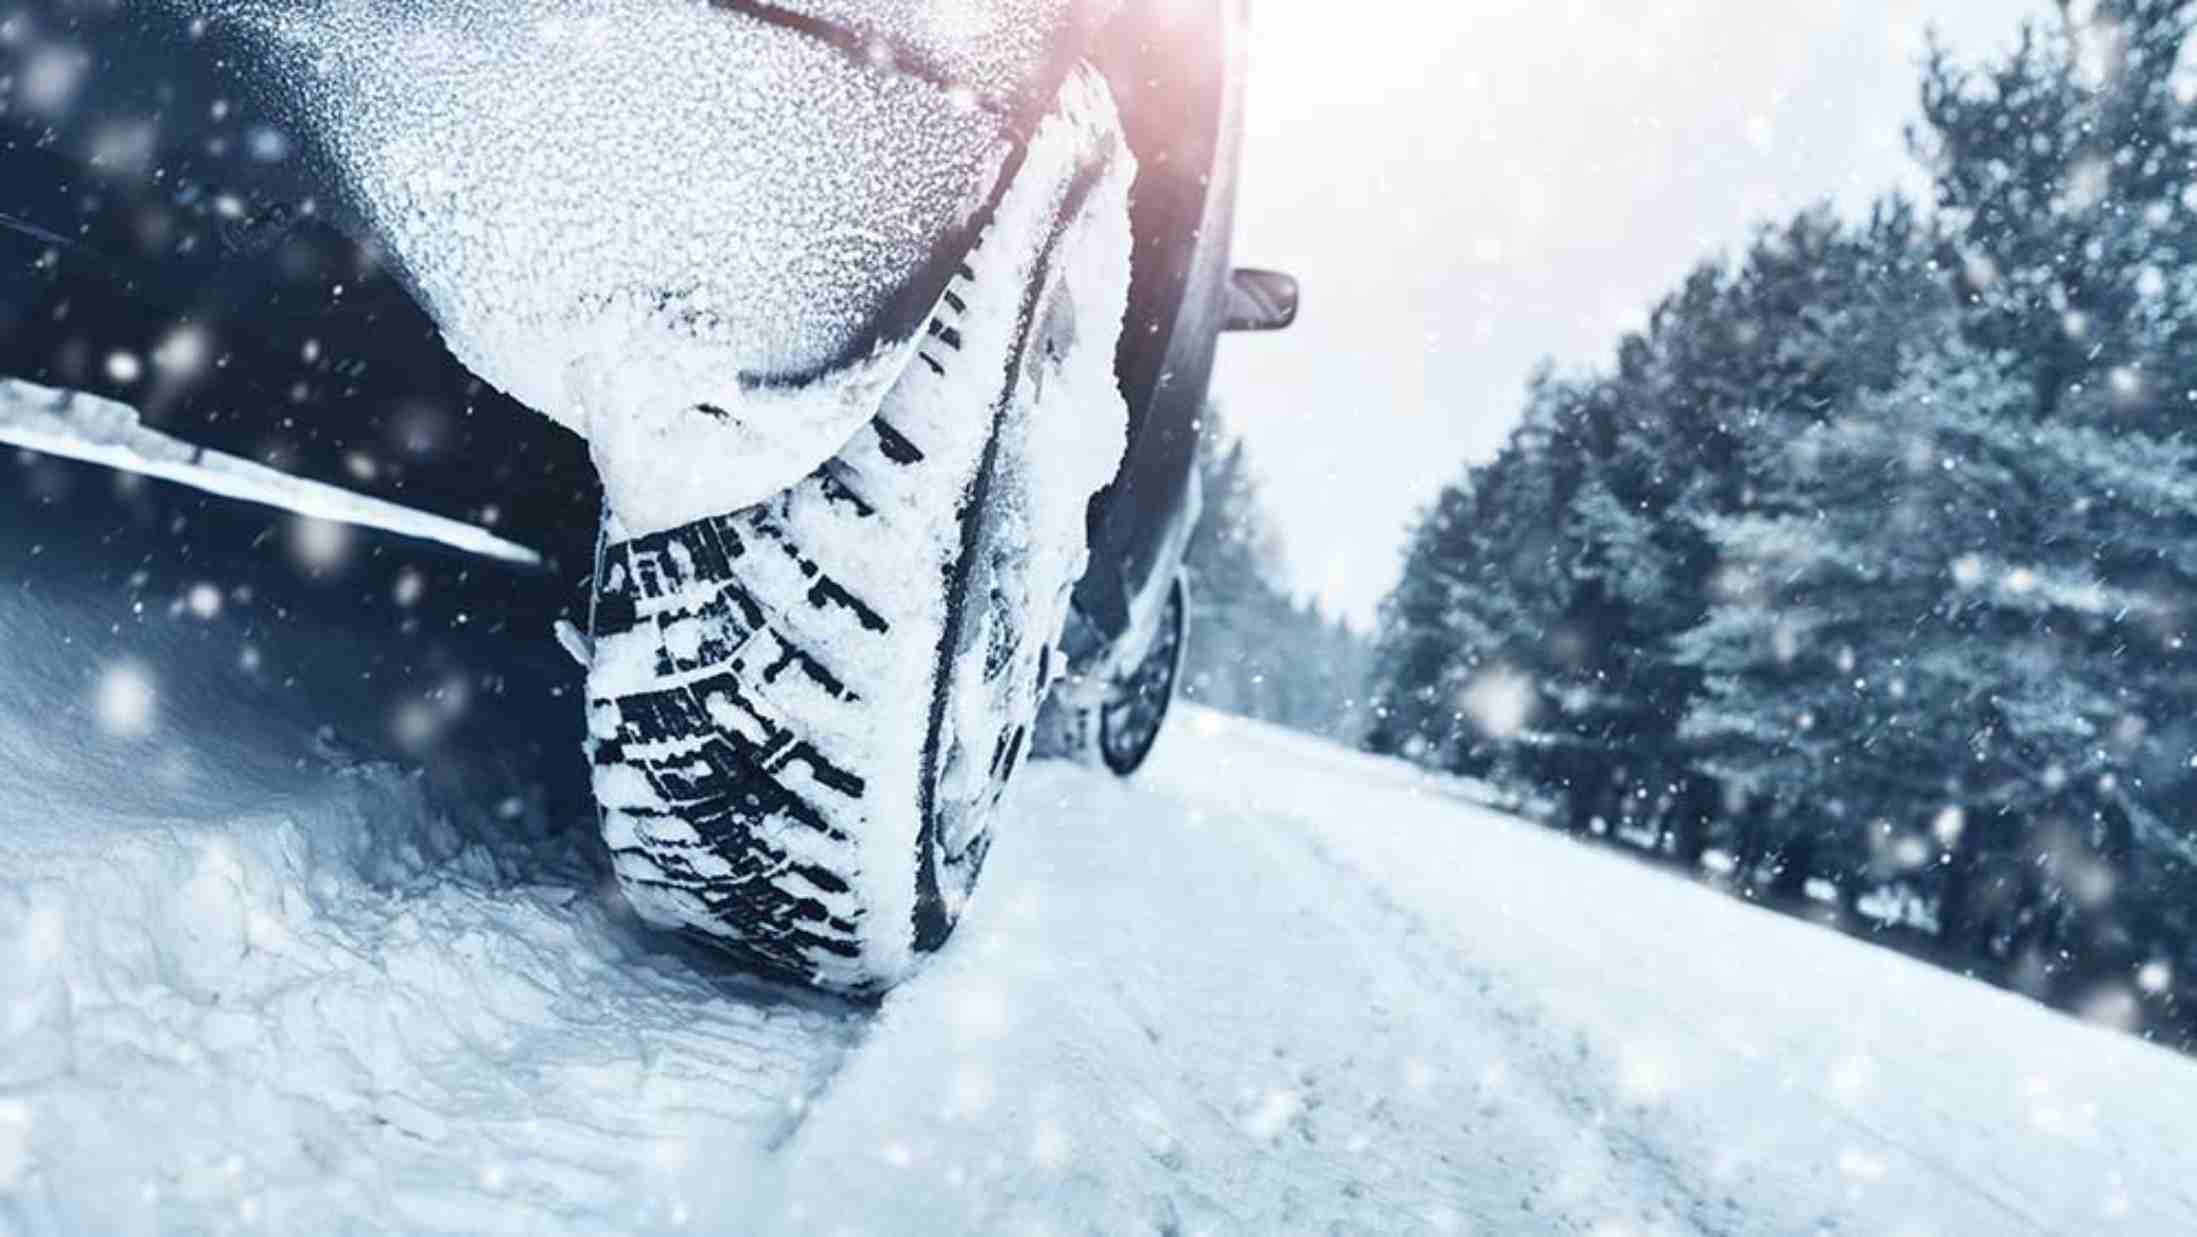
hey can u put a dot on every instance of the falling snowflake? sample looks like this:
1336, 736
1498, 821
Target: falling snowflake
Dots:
320, 546
2155, 977
981, 1014
1785, 643
184, 353
203, 601
124, 701
1950, 824
1273, 1114
415, 725
50, 83
1858, 1165
1050, 1147
1500, 703
15, 1143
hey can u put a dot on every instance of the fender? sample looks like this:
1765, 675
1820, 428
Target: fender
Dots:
671, 227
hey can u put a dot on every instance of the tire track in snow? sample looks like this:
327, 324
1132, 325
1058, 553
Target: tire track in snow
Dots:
1775, 1077
1638, 1166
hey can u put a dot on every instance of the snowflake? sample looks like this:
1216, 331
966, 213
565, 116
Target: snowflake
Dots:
124, 701
184, 353
320, 546
1272, 1115
1500, 703
203, 601
2155, 977
1949, 825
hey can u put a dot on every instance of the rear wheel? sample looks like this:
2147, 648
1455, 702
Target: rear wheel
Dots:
803, 715
1136, 709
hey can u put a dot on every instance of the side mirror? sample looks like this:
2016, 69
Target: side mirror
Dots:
1260, 300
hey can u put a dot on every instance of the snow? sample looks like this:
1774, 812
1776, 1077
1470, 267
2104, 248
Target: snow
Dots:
82, 426
670, 226
252, 976
994, 47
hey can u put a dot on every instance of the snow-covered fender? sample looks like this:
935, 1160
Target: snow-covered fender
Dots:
678, 227
1179, 73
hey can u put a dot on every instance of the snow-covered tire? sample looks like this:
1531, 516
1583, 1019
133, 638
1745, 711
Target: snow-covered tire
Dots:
1114, 722
802, 714
1136, 711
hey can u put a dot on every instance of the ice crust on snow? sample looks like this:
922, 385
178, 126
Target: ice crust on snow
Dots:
666, 224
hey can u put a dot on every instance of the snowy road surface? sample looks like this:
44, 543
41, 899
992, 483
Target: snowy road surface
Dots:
256, 975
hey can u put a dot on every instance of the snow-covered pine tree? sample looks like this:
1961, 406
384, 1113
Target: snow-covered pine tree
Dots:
2064, 178
1895, 519
1464, 641
2068, 177
1916, 642
1813, 314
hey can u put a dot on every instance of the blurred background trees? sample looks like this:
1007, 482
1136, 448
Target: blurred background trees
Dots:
1862, 579
1254, 650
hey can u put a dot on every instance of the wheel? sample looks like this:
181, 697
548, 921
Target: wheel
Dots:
802, 715
1136, 708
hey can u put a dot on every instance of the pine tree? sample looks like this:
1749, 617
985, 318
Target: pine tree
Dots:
1873, 556
2065, 176
2068, 176
1467, 641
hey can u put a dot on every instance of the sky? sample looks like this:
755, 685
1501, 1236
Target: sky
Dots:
1465, 189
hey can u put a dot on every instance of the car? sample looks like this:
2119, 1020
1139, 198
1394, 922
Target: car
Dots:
833, 549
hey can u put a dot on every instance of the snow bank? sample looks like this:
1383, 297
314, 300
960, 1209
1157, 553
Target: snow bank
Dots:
249, 980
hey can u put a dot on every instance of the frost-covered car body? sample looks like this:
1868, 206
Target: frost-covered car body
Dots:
183, 228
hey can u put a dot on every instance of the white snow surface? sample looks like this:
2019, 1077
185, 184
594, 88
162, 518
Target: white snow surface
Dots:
668, 225
249, 982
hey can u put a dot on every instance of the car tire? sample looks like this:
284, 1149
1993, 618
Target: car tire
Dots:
803, 715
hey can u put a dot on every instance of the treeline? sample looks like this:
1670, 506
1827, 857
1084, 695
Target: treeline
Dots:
1866, 578
1255, 650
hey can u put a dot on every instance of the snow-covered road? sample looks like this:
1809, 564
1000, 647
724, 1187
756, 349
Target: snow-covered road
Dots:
255, 975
